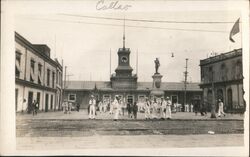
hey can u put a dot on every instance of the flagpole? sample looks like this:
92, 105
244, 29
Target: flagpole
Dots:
241, 34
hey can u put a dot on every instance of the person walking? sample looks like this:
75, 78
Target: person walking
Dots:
221, 110
205, 104
186, 108
24, 105
191, 107
77, 107
203, 109
111, 107
100, 106
159, 103
155, 107
69, 107
147, 108
105, 104
123, 106
135, 110
129, 108
116, 108
65, 106
196, 106
168, 108
92, 103
120, 106
163, 108
34, 108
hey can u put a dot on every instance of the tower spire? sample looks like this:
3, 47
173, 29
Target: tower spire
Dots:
124, 32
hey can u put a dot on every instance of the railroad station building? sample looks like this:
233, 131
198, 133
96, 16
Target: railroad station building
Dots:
124, 83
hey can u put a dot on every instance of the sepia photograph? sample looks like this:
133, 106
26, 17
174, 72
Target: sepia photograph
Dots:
125, 77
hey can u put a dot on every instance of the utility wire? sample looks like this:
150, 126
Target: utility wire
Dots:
163, 28
158, 21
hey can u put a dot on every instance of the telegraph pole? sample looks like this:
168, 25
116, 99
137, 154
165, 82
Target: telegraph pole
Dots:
137, 62
62, 88
110, 63
185, 82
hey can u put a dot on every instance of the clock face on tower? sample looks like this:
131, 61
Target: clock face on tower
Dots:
124, 59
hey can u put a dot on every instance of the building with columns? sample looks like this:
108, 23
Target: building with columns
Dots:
222, 78
38, 77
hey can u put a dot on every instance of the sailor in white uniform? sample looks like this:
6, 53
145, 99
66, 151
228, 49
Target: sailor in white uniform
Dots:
116, 107
147, 108
92, 103
168, 108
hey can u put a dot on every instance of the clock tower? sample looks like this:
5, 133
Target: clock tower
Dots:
124, 68
123, 77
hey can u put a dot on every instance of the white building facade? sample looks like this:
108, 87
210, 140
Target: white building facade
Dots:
38, 77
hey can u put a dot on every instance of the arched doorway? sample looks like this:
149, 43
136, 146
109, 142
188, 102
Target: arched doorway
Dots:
229, 99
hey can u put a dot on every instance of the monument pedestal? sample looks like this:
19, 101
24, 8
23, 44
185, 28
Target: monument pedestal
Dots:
156, 92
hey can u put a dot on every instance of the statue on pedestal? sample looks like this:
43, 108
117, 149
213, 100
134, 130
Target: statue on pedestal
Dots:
157, 65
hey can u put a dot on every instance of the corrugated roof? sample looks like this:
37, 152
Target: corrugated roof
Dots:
106, 85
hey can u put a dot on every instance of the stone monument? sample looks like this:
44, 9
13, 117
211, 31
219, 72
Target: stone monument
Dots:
156, 91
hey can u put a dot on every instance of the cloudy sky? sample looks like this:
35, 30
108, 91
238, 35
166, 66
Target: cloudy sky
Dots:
83, 36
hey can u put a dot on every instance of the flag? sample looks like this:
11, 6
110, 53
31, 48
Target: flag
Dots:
235, 30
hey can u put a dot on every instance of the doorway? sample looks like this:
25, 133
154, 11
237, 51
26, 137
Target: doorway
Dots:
30, 99
51, 102
46, 102
38, 99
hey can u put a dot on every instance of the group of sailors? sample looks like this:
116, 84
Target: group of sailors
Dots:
67, 107
153, 109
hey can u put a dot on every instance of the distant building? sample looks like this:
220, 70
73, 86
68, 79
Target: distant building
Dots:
38, 77
223, 74
124, 83
80, 91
